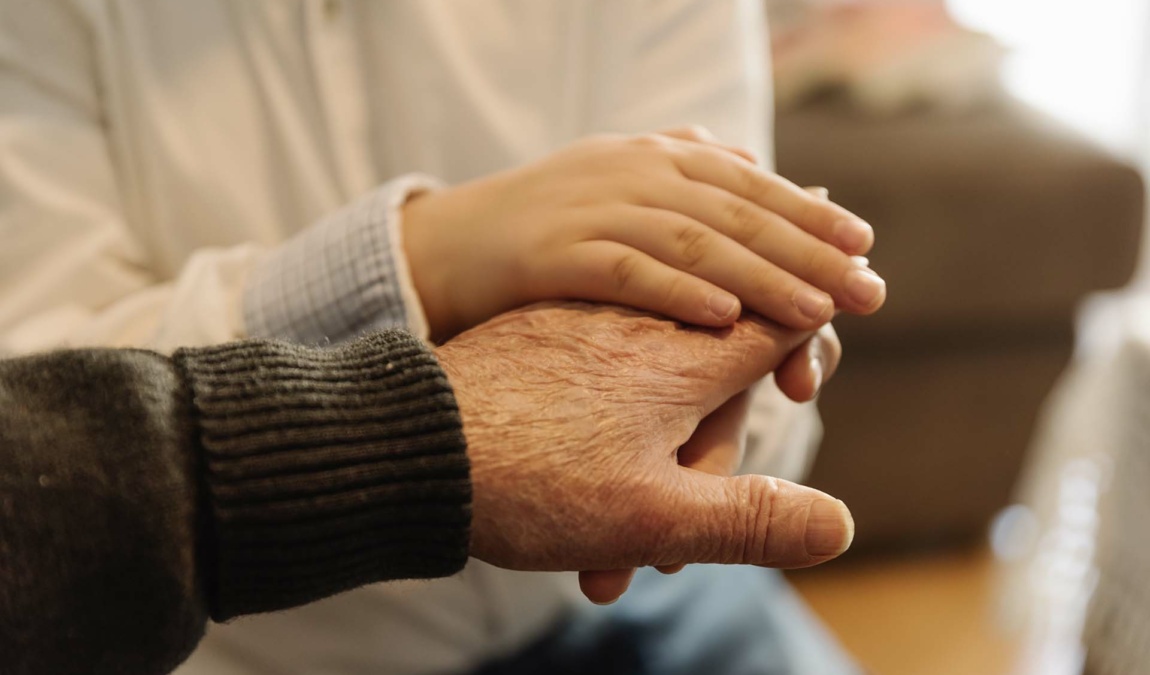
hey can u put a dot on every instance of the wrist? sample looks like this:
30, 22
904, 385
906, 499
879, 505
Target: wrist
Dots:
473, 396
422, 217
461, 267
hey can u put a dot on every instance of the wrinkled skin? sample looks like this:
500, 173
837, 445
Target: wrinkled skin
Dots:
580, 422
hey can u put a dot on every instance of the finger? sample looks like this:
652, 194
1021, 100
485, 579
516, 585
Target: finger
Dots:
719, 442
855, 288
717, 446
604, 587
819, 192
755, 520
701, 369
754, 348
688, 245
606, 271
819, 217
699, 134
809, 367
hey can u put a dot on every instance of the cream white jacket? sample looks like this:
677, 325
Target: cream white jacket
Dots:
154, 154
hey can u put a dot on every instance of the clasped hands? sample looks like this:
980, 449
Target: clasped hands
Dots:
602, 438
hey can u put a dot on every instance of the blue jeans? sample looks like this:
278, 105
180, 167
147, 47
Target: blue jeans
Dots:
708, 619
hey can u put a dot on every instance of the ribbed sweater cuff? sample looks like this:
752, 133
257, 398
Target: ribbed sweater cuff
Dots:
325, 469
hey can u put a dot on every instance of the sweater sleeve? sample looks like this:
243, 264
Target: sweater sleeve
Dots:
140, 495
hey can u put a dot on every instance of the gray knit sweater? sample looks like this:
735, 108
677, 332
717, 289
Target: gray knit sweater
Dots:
142, 495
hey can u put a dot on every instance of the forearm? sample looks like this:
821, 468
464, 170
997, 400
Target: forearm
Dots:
141, 495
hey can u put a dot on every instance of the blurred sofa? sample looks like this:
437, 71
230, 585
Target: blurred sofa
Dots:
992, 225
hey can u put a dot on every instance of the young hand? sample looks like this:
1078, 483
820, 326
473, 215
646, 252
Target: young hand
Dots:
673, 223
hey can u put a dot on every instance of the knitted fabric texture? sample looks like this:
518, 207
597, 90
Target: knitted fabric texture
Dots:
139, 494
326, 469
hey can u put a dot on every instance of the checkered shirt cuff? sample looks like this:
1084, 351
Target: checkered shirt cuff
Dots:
342, 277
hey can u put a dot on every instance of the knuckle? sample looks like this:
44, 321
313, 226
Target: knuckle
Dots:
813, 260
752, 184
756, 495
816, 213
672, 292
623, 271
773, 286
652, 152
756, 185
822, 261
650, 527
692, 243
649, 142
698, 132
742, 221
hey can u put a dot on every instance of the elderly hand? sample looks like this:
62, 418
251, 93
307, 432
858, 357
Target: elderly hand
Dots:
575, 416
718, 444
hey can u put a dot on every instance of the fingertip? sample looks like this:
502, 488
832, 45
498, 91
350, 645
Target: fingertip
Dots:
815, 307
865, 289
800, 377
830, 528
723, 308
853, 236
815, 370
605, 587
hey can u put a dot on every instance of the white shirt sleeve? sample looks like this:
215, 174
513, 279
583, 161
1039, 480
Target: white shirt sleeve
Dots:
74, 269
71, 270
694, 62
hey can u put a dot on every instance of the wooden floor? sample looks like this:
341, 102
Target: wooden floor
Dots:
926, 614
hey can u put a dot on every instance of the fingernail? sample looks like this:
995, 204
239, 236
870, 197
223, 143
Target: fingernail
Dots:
722, 305
813, 305
830, 528
864, 286
819, 191
816, 376
853, 234
861, 260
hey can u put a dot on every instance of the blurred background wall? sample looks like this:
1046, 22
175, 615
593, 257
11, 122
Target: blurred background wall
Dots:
996, 217
1086, 63
997, 147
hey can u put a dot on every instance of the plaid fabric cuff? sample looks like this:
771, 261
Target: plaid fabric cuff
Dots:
342, 277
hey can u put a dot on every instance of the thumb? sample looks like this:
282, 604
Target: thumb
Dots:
759, 520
